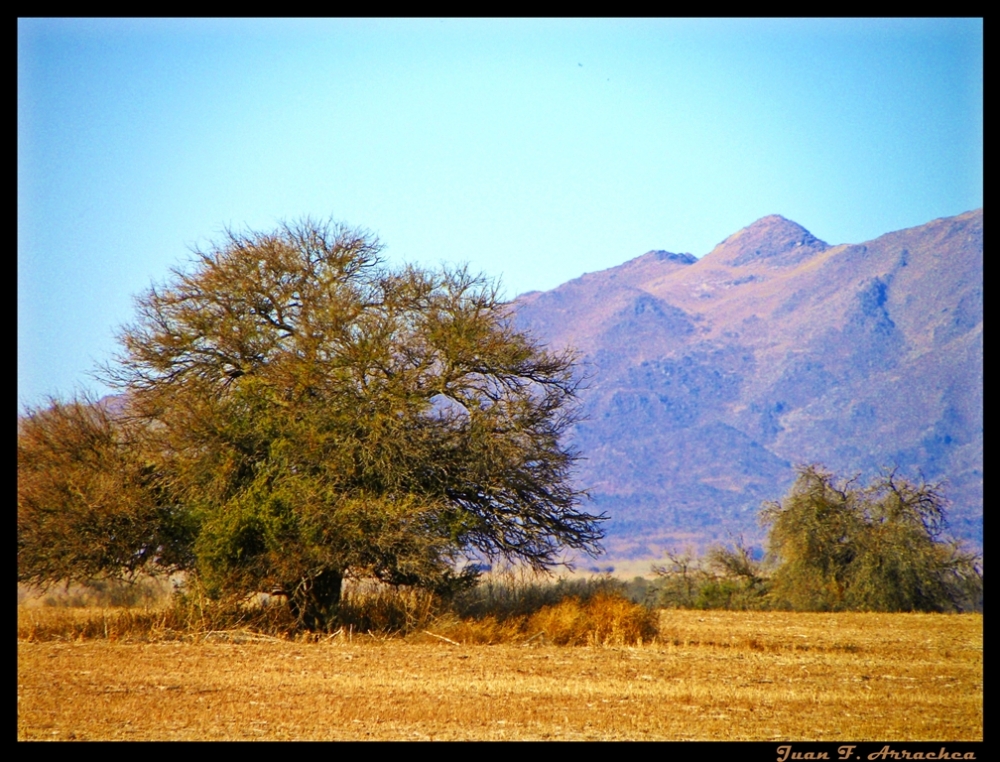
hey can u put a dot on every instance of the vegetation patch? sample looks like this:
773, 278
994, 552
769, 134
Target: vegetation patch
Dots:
835, 545
564, 612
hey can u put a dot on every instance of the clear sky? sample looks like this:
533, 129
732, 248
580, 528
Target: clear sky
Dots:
535, 150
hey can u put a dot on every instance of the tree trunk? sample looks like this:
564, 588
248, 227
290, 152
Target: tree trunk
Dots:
314, 602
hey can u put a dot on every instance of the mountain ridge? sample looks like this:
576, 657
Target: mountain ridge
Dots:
712, 378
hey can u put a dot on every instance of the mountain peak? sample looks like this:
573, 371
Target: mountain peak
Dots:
652, 264
709, 381
773, 239
774, 219
659, 255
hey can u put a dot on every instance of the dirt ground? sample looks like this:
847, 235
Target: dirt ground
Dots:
710, 675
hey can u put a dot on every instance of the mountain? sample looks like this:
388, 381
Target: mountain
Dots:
710, 378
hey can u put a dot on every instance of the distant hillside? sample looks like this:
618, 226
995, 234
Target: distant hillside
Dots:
711, 377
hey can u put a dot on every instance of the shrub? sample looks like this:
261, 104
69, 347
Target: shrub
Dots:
605, 619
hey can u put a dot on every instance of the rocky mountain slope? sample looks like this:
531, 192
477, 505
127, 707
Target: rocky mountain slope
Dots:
711, 378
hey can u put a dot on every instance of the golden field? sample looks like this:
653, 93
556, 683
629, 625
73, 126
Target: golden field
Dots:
716, 675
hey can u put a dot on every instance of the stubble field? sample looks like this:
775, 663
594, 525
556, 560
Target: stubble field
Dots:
709, 675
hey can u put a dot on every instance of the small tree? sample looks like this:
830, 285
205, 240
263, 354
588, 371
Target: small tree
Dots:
681, 578
90, 504
722, 578
839, 545
315, 414
739, 581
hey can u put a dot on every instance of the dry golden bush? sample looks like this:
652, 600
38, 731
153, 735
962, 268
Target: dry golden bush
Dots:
605, 619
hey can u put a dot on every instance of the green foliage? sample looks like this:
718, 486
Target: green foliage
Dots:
835, 545
842, 546
296, 413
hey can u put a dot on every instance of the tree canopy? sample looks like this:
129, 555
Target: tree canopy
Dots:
840, 545
89, 503
835, 544
306, 412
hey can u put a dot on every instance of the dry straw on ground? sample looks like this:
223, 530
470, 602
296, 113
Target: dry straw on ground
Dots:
708, 675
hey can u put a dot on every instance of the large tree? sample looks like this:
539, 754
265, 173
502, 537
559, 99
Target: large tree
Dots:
316, 414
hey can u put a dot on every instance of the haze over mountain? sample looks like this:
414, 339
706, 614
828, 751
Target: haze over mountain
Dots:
711, 378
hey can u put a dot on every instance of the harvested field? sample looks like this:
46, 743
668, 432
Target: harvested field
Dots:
709, 675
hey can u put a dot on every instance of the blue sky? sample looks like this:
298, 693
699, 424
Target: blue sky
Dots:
535, 150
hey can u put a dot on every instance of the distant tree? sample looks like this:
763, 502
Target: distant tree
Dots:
722, 578
738, 582
838, 545
314, 414
681, 578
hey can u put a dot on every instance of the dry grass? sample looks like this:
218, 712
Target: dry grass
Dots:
585, 613
709, 675
151, 624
